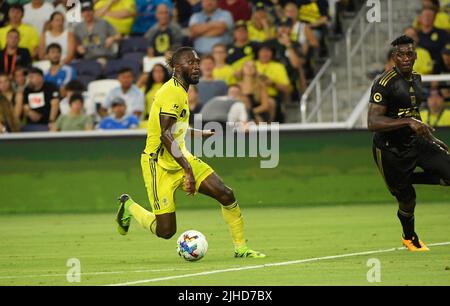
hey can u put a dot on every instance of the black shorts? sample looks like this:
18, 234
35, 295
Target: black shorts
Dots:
397, 166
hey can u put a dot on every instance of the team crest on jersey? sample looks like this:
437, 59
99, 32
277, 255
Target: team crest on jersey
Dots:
183, 113
377, 97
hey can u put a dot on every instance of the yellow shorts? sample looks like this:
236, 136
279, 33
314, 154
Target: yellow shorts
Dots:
161, 183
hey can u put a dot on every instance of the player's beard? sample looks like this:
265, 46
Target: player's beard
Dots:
190, 79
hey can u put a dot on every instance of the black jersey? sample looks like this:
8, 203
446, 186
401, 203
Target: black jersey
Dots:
402, 98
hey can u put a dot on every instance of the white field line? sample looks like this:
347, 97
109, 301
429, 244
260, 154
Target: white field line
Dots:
91, 273
285, 263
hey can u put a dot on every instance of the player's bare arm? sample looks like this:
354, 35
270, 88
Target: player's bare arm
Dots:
173, 148
200, 133
378, 122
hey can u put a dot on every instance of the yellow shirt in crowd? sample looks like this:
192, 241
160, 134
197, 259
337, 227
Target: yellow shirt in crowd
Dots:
122, 25
226, 74
275, 72
436, 119
29, 37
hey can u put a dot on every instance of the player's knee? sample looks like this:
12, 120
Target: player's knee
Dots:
405, 195
165, 232
227, 196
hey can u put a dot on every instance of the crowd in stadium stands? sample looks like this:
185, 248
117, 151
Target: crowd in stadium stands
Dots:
103, 71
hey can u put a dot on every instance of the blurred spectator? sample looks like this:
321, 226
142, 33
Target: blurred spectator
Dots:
120, 118
29, 37
260, 106
315, 13
442, 19
183, 10
208, 87
242, 49
8, 120
129, 92
40, 102
146, 11
389, 64
76, 87
289, 54
225, 109
4, 8
445, 55
222, 71
56, 33
37, 13
165, 35
436, 114
275, 77
239, 9
156, 78
430, 38
210, 26
424, 62
119, 13
260, 27
444, 69
194, 105
58, 73
13, 56
301, 32
8, 92
75, 120
20, 78
95, 37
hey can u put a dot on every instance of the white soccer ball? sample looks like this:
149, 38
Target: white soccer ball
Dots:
192, 245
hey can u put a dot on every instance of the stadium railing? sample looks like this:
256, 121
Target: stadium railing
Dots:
337, 88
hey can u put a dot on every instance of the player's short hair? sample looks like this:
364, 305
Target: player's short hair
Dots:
75, 85
402, 40
36, 70
76, 97
125, 70
207, 57
174, 58
53, 46
17, 6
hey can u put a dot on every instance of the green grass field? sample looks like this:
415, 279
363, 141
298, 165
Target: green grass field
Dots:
35, 248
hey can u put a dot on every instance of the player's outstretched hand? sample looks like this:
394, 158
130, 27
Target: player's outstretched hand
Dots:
189, 183
440, 143
421, 128
208, 133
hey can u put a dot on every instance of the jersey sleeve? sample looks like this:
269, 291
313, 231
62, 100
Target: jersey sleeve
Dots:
170, 103
379, 94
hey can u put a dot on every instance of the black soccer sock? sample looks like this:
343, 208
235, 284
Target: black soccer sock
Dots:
407, 224
425, 178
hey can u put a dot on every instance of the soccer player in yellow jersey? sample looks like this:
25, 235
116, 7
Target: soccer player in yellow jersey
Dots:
167, 165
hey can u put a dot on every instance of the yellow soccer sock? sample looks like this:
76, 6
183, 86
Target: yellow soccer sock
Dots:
143, 216
235, 221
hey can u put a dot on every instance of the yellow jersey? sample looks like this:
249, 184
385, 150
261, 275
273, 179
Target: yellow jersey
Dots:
225, 73
275, 72
436, 120
122, 25
29, 37
171, 100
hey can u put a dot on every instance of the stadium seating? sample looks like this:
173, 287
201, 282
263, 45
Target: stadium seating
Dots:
98, 90
133, 44
113, 67
43, 65
149, 62
87, 70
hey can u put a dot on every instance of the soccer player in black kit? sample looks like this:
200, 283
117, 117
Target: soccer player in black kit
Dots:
402, 142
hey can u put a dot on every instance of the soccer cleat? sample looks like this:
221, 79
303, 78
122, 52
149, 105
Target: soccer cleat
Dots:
245, 252
123, 218
415, 244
